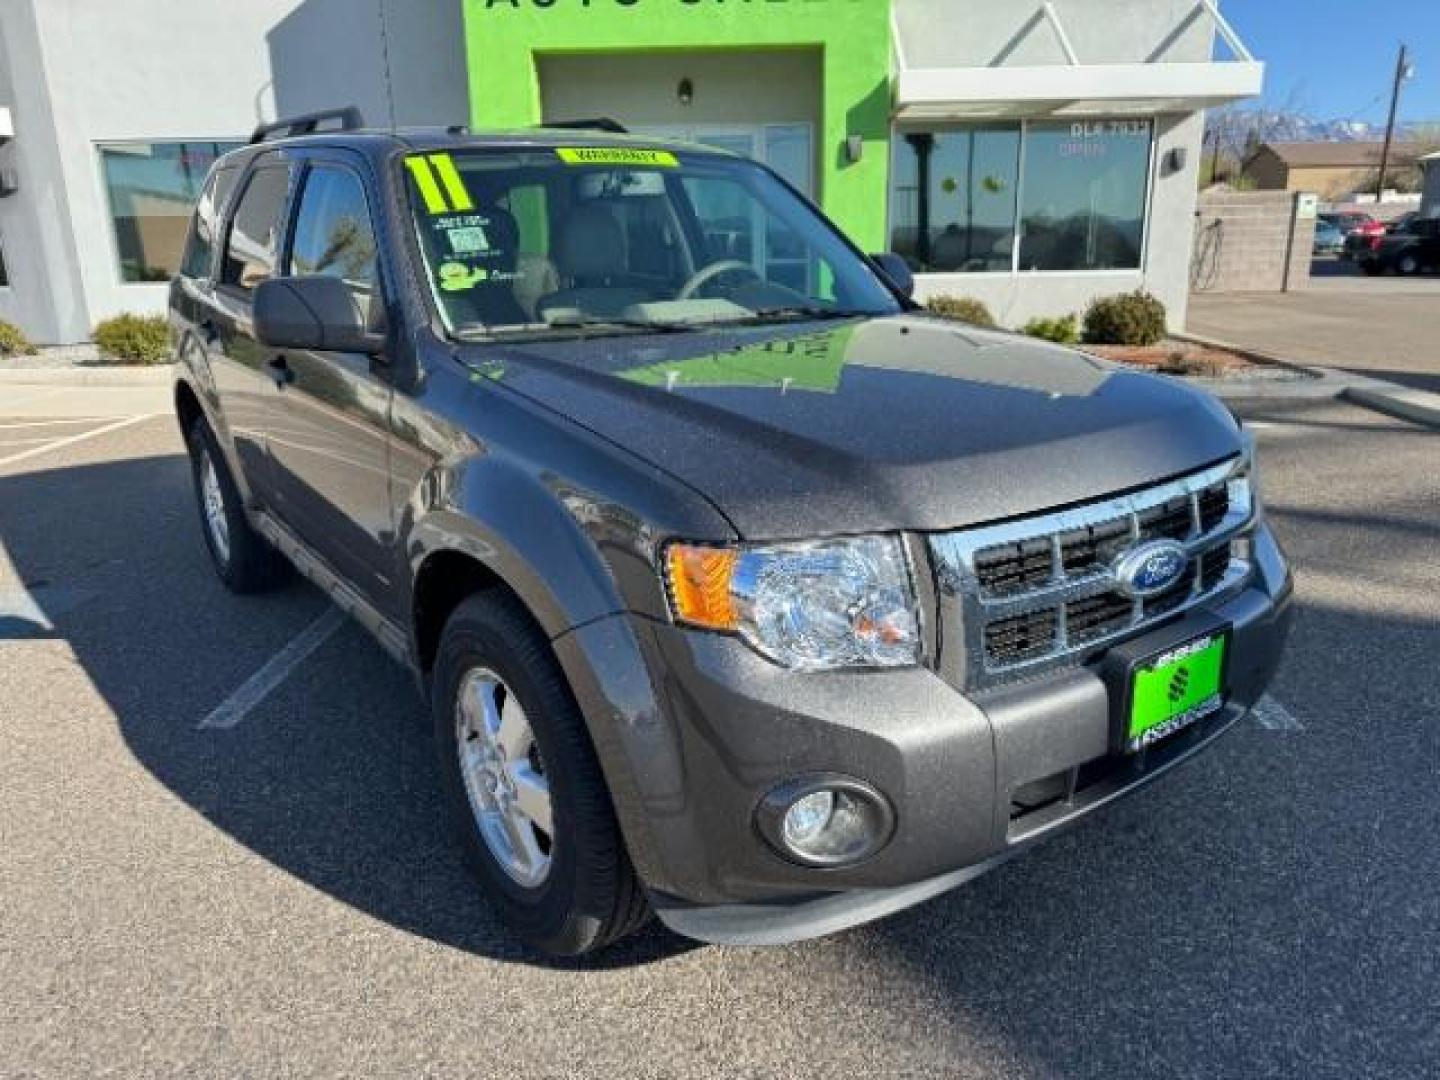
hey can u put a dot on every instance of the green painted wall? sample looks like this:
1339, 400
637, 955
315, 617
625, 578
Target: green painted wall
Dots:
503, 37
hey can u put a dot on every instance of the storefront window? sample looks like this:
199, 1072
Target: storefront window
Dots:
152, 189
1083, 201
956, 197
953, 199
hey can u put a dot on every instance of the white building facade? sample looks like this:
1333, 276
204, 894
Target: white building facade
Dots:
1032, 155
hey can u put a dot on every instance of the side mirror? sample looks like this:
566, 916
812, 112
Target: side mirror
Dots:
312, 312
897, 270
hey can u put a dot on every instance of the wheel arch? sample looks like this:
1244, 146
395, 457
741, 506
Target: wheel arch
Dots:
447, 576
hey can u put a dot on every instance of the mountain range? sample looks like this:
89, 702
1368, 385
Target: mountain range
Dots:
1275, 125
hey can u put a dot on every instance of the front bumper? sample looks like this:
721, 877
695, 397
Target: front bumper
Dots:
692, 744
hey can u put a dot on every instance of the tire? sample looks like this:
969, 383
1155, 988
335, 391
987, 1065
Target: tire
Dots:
1407, 264
587, 896
243, 559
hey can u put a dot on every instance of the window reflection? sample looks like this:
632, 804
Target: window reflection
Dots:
954, 199
957, 194
152, 189
1084, 195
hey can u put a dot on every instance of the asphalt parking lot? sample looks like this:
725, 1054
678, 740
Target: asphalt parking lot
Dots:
276, 896
1382, 327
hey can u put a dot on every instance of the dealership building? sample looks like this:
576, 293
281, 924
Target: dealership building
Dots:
1032, 155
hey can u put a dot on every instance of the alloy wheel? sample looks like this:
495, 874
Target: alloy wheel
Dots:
504, 777
212, 498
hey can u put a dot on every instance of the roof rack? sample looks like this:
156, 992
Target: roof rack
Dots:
599, 123
349, 119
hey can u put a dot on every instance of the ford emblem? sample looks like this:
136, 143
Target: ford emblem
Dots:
1151, 568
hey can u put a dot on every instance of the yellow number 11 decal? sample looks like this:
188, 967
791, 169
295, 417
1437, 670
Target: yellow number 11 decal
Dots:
444, 195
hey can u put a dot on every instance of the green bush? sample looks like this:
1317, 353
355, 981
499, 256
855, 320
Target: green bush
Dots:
1127, 319
961, 309
134, 339
1065, 330
13, 342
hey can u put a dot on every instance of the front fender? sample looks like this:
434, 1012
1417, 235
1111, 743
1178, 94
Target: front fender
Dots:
564, 553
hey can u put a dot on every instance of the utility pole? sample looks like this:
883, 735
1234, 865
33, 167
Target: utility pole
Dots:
1402, 72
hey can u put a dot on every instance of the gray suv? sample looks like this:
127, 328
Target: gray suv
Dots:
742, 592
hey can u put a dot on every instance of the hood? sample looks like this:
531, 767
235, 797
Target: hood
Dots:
898, 422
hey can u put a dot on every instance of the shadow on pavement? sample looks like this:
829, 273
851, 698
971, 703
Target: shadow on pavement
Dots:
331, 778
1267, 910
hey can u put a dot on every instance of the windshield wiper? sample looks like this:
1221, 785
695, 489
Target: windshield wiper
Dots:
800, 311
586, 322
563, 325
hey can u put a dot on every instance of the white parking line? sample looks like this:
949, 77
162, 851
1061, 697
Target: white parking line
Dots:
52, 423
70, 440
274, 672
1273, 716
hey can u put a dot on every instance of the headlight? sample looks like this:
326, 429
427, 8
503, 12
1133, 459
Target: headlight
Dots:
841, 603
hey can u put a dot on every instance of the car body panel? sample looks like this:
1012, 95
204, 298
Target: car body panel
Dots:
906, 422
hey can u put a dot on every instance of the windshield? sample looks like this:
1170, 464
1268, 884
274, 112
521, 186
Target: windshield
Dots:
542, 239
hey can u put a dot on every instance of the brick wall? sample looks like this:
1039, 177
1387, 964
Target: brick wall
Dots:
1244, 242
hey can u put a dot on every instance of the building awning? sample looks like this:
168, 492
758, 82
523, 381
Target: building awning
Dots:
1038, 72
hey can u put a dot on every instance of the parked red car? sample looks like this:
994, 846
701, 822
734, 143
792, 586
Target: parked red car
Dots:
1361, 231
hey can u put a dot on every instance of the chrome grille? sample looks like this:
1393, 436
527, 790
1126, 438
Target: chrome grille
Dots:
1040, 592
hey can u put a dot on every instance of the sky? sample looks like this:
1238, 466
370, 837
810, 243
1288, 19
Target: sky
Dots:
1334, 59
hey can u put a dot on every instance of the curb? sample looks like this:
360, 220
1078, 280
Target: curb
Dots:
1319, 384
1310, 384
1416, 406
1253, 355
158, 375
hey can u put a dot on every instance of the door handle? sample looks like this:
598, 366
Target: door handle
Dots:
280, 371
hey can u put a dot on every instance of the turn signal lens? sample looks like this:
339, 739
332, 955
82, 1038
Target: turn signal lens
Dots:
700, 585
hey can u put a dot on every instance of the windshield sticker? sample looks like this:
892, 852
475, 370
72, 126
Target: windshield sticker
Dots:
467, 241
439, 183
616, 155
458, 277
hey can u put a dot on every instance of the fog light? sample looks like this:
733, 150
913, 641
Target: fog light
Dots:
825, 820
807, 816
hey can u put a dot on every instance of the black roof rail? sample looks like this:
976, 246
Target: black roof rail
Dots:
598, 123
349, 118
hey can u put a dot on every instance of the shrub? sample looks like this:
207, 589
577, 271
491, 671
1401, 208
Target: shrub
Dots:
13, 341
134, 339
961, 309
1128, 319
1065, 330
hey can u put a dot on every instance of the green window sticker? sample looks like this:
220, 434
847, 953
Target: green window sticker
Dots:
616, 155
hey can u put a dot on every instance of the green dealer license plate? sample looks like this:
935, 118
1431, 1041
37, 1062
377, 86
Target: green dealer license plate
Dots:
1176, 688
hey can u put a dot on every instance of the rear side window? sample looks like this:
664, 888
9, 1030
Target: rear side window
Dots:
200, 246
334, 235
252, 252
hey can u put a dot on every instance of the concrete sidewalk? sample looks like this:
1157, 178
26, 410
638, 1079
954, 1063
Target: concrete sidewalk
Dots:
55, 393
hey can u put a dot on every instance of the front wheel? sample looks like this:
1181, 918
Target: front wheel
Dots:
526, 796
1408, 264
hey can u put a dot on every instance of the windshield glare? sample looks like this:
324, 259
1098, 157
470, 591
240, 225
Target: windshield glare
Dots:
544, 239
